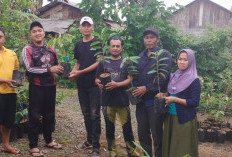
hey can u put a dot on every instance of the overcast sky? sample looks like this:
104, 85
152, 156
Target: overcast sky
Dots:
225, 3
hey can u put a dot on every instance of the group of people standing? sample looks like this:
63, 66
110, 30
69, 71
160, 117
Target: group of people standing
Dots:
173, 135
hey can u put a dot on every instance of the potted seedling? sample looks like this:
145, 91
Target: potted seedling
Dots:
19, 77
158, 69
21, 117
67, 68
61, 43
131, 71
105, 77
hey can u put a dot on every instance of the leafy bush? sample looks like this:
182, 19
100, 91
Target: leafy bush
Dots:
15, 20
212, 49
64, 45
22, 104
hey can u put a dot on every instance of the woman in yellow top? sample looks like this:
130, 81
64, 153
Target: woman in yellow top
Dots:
8, 63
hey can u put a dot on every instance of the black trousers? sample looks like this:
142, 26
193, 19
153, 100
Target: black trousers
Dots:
90, 105
7, 109
150, 126
41, 103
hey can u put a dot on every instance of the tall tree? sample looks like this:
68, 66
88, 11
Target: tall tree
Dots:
136, 15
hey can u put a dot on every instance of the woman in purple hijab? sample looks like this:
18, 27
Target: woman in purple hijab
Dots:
180, 126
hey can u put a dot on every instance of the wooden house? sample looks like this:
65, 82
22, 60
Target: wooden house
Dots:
60, 10
197, 16
59, 15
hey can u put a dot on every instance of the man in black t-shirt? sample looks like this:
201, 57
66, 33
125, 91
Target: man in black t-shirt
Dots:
114, 98
84, 71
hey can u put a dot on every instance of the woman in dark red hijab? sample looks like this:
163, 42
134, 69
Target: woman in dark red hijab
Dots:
180, 126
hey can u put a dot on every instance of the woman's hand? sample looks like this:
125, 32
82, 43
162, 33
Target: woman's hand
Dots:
169, 100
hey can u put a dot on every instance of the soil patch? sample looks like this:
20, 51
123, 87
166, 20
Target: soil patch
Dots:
70, 130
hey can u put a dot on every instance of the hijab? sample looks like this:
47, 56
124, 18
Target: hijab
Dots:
181, 79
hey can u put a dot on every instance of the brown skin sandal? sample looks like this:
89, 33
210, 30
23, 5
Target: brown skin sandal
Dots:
34, 153
54, 145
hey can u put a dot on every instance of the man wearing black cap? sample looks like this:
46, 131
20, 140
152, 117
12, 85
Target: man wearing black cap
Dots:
88, 92
41, 64
149, 122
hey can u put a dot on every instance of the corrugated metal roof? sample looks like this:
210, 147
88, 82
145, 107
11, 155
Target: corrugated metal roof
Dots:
56, 26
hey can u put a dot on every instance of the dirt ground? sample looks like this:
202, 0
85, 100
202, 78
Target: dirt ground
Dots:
70, 130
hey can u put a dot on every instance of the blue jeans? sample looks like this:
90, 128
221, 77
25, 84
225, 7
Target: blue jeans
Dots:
89, 99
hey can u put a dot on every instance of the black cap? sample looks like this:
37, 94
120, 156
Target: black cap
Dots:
35, 23
151, 30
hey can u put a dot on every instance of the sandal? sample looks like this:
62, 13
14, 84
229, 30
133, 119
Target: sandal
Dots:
12, 150
54, 146
37, 152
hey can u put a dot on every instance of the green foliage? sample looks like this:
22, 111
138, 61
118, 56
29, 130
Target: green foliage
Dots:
216, 104
135, 16
104, 36
60, 97
15, 20
214, 61
23, 95
64, 45
21, 115
132, 60
212, 49
22, 104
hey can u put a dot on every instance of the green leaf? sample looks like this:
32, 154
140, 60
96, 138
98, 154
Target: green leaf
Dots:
98, 53
160, 52
107, 61
18, 116
162, 59
164, 70
162, 75
95, 43
25, 112
96, 34
140, 147
134, 59
162, 65
151, 72
95, 47
123, 61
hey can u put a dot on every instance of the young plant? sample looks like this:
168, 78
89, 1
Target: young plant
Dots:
157, 67
131, 60
144, 153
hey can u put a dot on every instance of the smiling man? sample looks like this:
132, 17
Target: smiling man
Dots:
114, 99
41, 64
